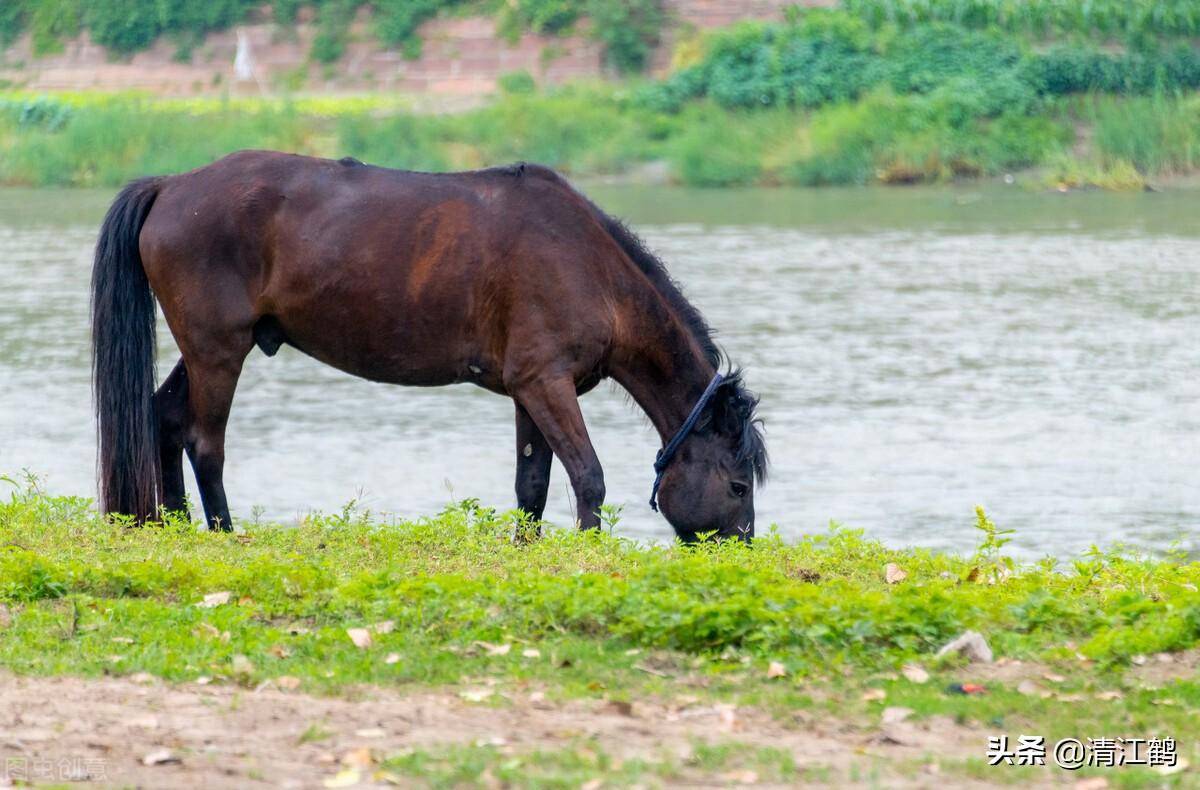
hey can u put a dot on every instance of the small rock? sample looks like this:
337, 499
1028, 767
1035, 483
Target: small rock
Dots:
475, 695
1028, 688
894, 574
895, 715
392, 658
370, 732
1138, 660
531, 652
776, 670
915, 673
970, 644
215, 599
495, 650
161, 757
874, 695
361, 637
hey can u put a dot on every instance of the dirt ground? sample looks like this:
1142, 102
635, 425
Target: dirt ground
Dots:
145, 733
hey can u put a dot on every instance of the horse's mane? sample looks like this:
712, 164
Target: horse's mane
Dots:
733, 401
656, 271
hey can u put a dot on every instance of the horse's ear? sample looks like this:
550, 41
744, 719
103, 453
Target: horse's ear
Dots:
730, 410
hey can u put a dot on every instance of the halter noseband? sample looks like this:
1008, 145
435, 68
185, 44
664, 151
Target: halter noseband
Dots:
663, 459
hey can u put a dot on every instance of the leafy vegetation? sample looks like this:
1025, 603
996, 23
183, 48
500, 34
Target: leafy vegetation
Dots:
1131, 20
825, 57
817, 604
98, 140
628, 29
785, 627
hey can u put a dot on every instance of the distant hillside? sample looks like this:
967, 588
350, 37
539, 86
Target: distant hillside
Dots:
454, 47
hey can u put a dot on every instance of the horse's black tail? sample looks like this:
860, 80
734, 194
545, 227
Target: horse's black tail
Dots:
123, 317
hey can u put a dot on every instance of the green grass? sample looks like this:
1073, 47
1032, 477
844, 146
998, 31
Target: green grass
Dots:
596, 616
950, 133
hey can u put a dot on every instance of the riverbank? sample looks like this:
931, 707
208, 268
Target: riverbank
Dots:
577, 658
87, 140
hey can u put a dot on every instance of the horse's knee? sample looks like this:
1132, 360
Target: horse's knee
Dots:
589, 488
207, 454
531, 476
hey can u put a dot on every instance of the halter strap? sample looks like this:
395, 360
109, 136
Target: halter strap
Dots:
663, 459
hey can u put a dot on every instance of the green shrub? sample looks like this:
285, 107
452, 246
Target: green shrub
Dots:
13, 19
516, 82
825, 57
1135, 20
628, 29
51, 21
333, 29
396, 21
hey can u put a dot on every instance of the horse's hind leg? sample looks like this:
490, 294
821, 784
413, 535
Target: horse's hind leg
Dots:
212, 380
533, 465
171, 406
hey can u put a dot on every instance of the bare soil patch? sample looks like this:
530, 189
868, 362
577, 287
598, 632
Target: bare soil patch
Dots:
217, 736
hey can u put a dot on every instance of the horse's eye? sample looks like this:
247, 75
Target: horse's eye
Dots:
739, 489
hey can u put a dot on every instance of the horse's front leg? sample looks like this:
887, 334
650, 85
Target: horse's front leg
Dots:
554, 411
533, 465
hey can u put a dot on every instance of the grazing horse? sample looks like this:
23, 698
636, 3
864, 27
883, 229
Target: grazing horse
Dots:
507, 278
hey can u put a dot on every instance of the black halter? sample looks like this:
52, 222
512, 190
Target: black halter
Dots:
663, 459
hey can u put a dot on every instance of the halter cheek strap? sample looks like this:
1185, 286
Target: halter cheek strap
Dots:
667, 453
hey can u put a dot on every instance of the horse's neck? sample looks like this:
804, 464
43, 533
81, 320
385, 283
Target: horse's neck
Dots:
665, 371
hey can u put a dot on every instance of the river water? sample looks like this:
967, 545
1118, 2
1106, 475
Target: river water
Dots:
917, 352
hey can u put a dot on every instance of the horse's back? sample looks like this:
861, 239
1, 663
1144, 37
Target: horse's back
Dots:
398, 276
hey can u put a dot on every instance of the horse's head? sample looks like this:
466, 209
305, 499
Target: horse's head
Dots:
708, 485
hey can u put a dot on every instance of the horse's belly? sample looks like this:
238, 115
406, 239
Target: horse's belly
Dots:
394, 352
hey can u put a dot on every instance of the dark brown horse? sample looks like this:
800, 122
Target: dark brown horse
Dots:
506, 278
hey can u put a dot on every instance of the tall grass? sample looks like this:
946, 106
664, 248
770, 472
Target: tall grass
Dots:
949, 133
1158, 135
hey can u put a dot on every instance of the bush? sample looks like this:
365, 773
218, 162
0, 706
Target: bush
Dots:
628, 29
827, 57
1134, 20
516, 82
